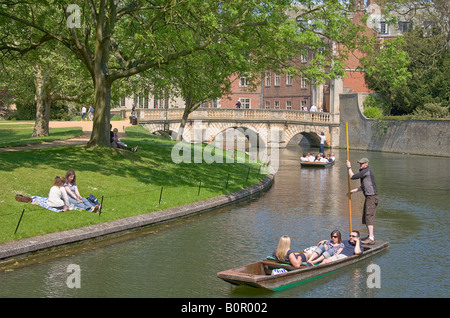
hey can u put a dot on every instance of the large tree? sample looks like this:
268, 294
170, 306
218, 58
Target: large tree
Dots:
118, 39
42, 78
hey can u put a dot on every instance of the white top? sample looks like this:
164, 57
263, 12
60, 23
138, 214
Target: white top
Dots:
313, 108
322, 139
57, 197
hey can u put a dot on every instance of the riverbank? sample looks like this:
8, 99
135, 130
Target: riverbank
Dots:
131, 184
18, 249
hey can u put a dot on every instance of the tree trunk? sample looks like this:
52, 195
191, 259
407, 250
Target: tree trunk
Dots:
184, 118
187, 110
42, 98
102, 103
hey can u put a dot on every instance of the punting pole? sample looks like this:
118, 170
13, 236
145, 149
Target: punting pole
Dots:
348, 181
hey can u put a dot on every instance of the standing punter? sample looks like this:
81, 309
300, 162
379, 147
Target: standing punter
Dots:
369, 188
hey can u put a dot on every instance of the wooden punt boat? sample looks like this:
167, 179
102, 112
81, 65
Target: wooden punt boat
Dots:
259, 274
307, 164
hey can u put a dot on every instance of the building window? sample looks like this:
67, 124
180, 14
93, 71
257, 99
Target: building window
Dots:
288, 104
288, 80
404, 26
122, 102
384, 28
267, 79
277, 104
304, 58
277, 79
267, 104
140, 101
245, 102
243, 81
303, 105
304, 83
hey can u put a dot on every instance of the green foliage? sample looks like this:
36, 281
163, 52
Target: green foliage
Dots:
119, 39
386, 71
411, 71
432, 110
372, 101
26, 111
372, 112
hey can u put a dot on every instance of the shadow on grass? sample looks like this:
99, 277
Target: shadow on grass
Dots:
151, 165
14, 137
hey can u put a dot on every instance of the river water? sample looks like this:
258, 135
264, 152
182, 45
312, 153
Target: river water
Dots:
181, 259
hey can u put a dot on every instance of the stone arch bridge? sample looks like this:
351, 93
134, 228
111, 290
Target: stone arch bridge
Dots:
272, 128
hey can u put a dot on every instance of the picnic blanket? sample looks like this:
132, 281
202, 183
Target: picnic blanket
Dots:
43, 203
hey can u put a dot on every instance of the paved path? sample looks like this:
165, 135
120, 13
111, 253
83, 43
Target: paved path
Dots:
86, 127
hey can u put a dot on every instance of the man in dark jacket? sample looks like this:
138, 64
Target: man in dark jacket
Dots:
369, 188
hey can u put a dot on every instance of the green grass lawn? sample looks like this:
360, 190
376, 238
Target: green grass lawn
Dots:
19, 134
130, 182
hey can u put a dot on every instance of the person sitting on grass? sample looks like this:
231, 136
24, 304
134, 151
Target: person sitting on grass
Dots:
116, 143
74, 195
57, 196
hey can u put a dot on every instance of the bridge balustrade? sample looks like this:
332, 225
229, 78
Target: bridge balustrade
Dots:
173, 114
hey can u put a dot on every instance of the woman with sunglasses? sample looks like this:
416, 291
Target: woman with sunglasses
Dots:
326, 249
352, 246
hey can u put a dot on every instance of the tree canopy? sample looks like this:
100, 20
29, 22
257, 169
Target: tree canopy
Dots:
119, 39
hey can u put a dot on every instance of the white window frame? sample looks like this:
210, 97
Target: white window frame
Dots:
243, 81
267, 79
276, 104
288, 80
277, 80
288, 104
304, 84
384, 28
245, 102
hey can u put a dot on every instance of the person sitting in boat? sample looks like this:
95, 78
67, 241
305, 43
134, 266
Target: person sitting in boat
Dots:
320, 158
352, 246
329, 158
311, 157
332, 157
283, 253
327, 248
304, 158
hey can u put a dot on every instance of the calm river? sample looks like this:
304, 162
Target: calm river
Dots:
181, 259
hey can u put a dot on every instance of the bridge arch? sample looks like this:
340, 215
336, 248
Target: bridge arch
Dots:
236, 133
310, 132
272, 128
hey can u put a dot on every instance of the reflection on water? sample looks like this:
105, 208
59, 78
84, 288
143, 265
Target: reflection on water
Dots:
181, 259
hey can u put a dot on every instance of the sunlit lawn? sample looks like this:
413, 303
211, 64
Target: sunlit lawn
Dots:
129, 182
14, 134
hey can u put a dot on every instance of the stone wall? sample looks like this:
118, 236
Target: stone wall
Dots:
422, 137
